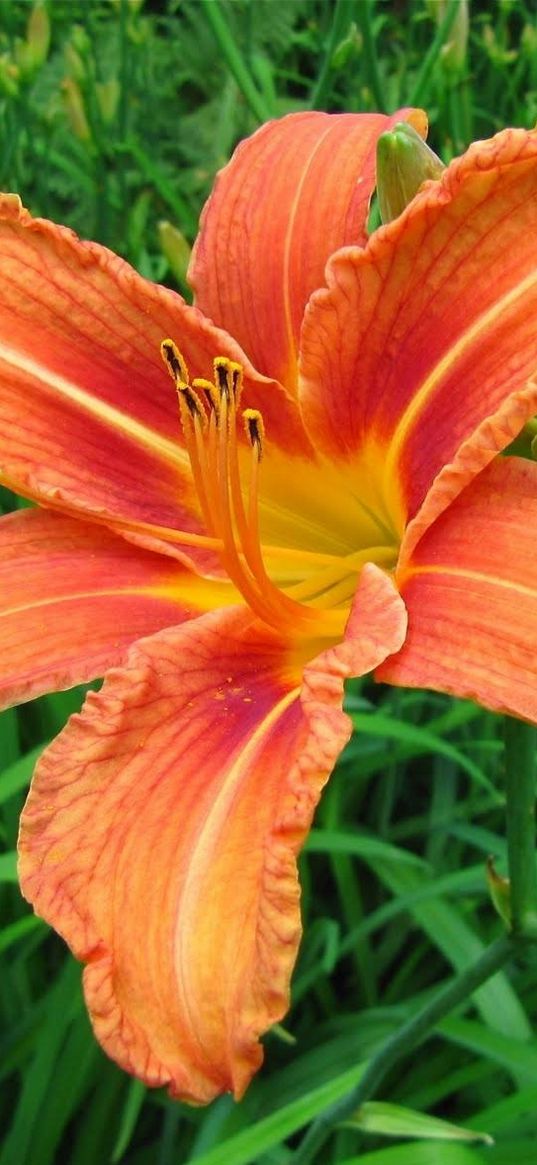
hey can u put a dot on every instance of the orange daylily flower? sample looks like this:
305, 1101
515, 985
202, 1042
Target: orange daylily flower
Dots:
331, 503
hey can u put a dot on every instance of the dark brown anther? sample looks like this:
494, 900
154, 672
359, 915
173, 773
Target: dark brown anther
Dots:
255, 430
208, 392
193, 403
174, 361
222, 376
236, 378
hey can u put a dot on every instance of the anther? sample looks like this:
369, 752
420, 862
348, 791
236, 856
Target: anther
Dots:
193, 403
174, 362
228, 377
210, 392
255, 429
222, 375
236, 380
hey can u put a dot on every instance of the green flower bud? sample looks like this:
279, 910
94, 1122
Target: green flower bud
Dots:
9, 76
500, 892
108, 94
404, 161
453, 54
175, 249
74, 108
38, 34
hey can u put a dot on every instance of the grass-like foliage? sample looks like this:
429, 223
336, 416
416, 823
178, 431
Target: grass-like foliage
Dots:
114, 117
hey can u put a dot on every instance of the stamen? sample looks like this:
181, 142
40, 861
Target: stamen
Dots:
194, 424
255, 429
319, 588
210, 392
236, 381
222, 375
228, 377
208, 413
174, 361
194, 406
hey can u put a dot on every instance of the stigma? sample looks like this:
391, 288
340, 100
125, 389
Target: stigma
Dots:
212, 420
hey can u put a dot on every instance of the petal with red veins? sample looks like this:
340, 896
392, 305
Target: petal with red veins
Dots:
376, 628
161, 833
293, 193
73, 597
489, 439
88, 413
470, 588
427, 332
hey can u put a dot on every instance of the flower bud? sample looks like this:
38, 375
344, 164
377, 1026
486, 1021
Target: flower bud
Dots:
108, 94
9, 76
74, 63
74, 107
453, 53
38, 34
500, 892
404, 161
175, 249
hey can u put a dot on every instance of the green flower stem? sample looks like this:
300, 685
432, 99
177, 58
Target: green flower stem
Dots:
234, 61
412, 1033
520, 765
343, 11
419, 92
364, 16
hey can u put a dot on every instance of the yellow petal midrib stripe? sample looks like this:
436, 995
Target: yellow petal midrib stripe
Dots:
108, 414
458, 349
195, 591
475, 575
77, 596
210, 833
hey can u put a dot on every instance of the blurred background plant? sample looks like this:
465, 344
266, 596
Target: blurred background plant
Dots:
114, 117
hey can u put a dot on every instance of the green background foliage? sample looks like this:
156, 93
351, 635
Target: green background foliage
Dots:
114, 117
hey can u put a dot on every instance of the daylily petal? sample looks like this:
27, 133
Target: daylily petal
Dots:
161, 832
428, 331
471, 593
376, 628
489, 439
73, 597
293, 193
88, 412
